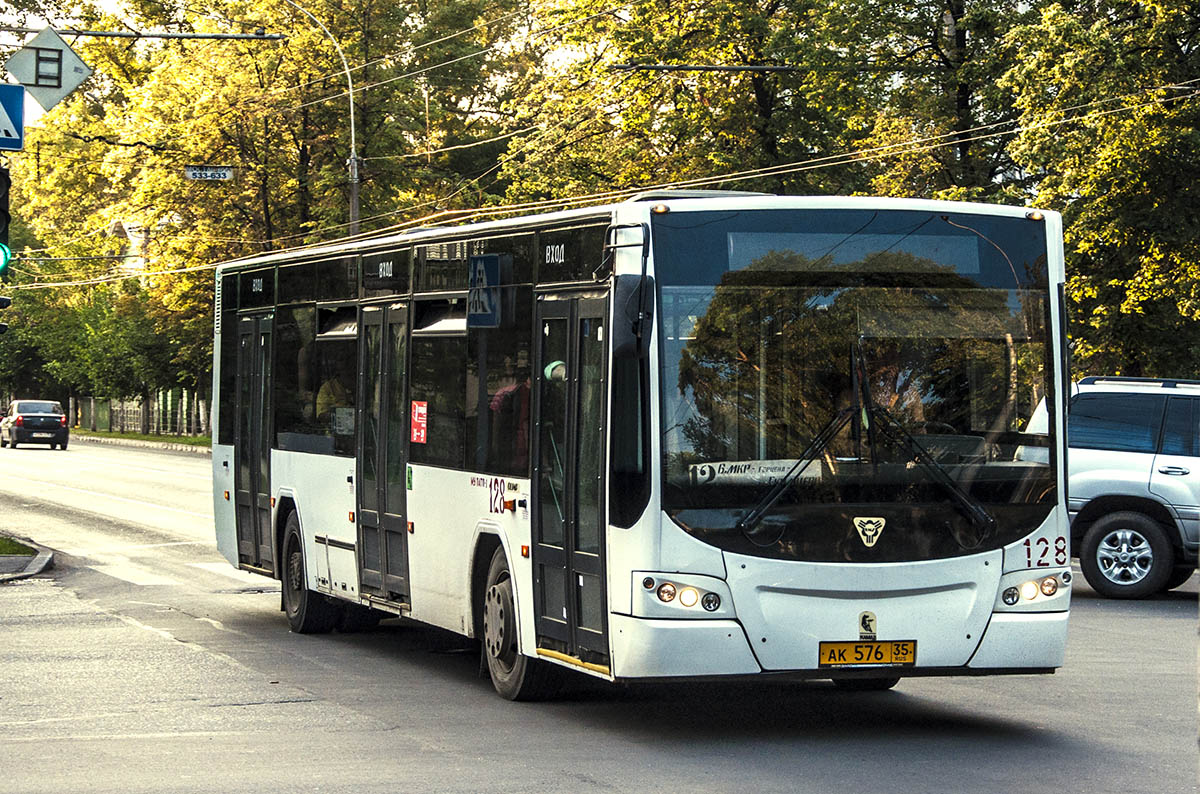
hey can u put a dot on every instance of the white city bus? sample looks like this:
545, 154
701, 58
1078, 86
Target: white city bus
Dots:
684, 435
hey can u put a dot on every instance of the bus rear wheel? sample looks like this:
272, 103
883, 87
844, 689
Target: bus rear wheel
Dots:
307, 612
515, 676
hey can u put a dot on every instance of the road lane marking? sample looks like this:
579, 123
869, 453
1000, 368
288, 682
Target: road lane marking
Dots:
225, 569
135, 575
126, 499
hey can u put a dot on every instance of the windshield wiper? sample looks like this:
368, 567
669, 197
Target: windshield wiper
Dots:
863, 407
856, 410
819, 442
895, 431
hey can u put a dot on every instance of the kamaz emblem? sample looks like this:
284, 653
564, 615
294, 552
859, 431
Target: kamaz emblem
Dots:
869, 529
866, 626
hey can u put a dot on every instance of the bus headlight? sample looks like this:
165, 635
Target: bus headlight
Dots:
680, 595
1034, 591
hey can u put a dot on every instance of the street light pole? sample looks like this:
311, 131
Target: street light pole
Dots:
350, 91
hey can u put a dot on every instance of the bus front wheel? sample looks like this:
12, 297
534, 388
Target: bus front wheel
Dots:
515, 676
307, 612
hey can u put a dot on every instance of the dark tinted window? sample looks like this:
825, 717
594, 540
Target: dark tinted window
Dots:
257, 288
516, 252
337, 279
386, 272
1181, 432
295, 395
442, 266
437, 394
1119, 422
227, 325
571, 254
317, 379
498, 380
298, 283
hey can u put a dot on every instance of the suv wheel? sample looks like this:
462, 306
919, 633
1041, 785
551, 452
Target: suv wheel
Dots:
1180, 575
1126, 555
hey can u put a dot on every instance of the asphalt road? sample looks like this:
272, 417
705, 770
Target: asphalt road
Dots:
143, 663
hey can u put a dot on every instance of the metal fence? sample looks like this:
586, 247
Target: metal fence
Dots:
177, 412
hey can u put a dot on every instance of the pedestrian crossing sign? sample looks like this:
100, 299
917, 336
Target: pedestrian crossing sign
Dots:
12, 117
483, 294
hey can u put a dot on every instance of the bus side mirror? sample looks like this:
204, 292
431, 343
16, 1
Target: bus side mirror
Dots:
633, 313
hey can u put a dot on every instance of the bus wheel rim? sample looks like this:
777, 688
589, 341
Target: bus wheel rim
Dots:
498, 626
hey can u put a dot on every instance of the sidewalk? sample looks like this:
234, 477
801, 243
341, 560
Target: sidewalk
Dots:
21, 566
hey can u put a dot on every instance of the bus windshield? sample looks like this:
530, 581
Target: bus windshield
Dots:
852, 385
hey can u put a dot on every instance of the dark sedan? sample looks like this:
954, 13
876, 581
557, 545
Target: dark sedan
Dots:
34, 422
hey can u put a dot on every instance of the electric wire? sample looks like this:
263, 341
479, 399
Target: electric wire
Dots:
922, 144
464, 215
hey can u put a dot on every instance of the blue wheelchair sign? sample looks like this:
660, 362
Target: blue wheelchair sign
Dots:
12, 117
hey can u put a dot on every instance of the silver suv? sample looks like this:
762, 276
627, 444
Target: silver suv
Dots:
1134, 488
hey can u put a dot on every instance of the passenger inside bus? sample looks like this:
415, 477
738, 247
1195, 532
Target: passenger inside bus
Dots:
335, 398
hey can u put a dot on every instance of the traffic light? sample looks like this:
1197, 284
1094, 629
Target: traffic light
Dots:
5, 251
5, 302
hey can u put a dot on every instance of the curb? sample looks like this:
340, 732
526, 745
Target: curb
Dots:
133, 442
37, 564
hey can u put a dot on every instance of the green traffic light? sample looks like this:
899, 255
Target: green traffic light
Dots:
5, 257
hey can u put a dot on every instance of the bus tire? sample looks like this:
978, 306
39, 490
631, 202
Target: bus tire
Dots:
307, 612
1126, 555
865, 684
515, 676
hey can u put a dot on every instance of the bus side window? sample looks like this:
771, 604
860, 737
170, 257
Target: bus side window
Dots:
438, 379
499, 369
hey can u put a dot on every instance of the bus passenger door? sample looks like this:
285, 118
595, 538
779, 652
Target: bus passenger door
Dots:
252, 442
568, 486
382, 514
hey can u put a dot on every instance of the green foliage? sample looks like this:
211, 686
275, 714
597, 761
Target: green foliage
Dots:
466, 103
1109, 106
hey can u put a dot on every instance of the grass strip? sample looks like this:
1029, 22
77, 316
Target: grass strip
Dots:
10, 546
194, 441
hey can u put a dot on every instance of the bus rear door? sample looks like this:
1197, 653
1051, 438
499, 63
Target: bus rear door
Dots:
252, 442
383, 424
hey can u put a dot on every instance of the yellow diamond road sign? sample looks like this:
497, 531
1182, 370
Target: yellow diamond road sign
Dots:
48, 68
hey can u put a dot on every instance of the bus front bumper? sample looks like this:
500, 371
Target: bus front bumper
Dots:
1022, 639
1014, 643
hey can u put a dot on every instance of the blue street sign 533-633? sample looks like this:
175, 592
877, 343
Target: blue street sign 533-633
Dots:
12, 117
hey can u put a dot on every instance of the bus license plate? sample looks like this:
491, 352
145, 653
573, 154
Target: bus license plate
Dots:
896, 653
